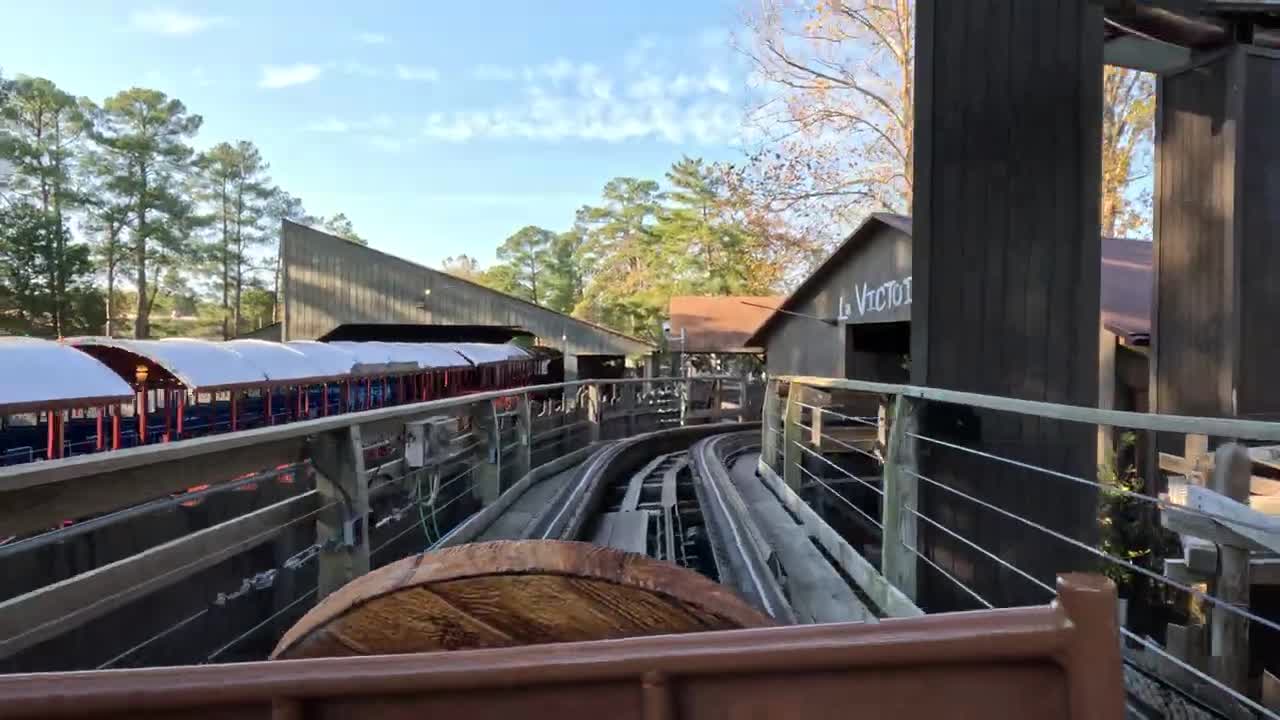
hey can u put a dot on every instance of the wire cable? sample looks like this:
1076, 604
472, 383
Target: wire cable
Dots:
846, 473
843, 499
1159, 502
237, 639
1230, 607
163, 633
959, 583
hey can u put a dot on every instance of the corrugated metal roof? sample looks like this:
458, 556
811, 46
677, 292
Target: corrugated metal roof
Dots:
1126, 280
717, 324
38, 374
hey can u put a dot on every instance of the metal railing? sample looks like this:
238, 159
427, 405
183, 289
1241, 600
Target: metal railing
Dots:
347, 495
974, 492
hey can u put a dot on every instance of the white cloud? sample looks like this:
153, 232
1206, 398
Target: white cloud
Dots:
380, 122
585, 115
166, 21
373, 38
413, 72
280, 76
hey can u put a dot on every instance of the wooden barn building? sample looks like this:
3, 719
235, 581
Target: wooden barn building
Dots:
334, 288
851, 317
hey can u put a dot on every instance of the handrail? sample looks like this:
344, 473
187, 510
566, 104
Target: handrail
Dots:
1219, 427
18, 477
919, 524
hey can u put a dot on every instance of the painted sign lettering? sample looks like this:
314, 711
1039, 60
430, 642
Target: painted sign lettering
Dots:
875, 299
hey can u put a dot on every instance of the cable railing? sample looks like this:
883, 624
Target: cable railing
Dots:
967, 507
381, 484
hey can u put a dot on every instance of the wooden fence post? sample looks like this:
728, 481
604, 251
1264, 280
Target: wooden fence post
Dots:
343, 530
524, 436
684, 390
487, 477
629, 409
791, 438
1229, 635
897, 562
770, 423
595, 412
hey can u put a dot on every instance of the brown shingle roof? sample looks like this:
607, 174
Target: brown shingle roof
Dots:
718, 324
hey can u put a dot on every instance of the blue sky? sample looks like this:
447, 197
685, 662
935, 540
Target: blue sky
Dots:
438, 128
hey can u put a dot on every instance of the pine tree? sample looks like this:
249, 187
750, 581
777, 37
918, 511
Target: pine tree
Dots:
145, 130
45, 280
628, 266
234, 183
40, 130
525, 252
564, 272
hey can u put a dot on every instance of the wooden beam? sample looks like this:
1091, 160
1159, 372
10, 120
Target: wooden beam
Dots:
1195, 471
39, 615
1262, 571
889, 599
1229, 638
791, 438
343, 528
901, 497
1185, 523
1259, 529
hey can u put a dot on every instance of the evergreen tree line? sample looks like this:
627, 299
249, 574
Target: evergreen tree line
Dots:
110, 219
621, 260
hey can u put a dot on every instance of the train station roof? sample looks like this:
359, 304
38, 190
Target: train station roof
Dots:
42, 374
197, 364
393, 357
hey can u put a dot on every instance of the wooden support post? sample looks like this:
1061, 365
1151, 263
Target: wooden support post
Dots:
1106, 393
1229, 638
629, 408
1195, 448
815, 427
524, 434
595, 412
897, 561
883, 421
791, 439
771, 422
343, 530
487, 477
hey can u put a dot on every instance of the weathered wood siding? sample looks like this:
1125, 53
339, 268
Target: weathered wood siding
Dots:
1006, 266
806, 346
1194, 189
1260, 235
329, 281
1217, 219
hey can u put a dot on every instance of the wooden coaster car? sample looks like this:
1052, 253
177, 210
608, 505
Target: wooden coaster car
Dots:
509, 593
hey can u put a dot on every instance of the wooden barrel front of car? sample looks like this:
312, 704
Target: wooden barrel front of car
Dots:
509, 593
